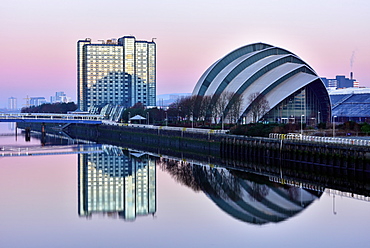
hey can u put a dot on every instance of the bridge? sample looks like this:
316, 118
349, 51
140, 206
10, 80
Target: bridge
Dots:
51, 118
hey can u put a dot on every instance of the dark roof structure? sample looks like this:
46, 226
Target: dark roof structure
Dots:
353, 106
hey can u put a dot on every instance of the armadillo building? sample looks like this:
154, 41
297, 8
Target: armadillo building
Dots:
292, 89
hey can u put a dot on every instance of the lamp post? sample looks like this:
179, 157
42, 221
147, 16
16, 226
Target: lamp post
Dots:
222, 122
147, 117
129, 116
302, 125
334, 125
166, 118
318, 117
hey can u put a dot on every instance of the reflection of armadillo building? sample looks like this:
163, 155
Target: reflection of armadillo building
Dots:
117, 183
258, 202
244, 196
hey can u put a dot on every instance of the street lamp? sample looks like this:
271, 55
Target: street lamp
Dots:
302, 125
222, 122
147, 116
334, 125
129, 117
166, 118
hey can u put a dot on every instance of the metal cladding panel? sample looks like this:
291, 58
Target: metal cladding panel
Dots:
222, 74
338, 98
351, 105
211, 73
257, 68
235, 84
265, 81
285, 89
200, 81
358, 98
352, 110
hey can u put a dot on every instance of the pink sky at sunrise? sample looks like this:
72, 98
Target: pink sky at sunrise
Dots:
38, 37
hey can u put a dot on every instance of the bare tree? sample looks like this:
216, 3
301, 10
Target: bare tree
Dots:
235, 108
186, 107
204, 106
220, 106
258, 106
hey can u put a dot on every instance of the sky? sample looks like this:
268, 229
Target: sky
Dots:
38, 37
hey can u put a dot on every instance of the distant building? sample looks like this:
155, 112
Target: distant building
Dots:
167, 99
60, 97
37, 101
12, 103
350, 104
340, 82
119, 72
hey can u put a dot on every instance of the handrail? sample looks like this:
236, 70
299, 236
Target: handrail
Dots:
336, 140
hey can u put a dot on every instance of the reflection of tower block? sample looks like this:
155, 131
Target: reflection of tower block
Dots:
27, 101
117, 183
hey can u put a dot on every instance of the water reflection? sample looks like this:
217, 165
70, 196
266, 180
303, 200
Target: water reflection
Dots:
11, 126
121, 183
116, 183
248, 197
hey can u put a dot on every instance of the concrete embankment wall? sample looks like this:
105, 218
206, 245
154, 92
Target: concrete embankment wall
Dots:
300, 155
182, 141
329, 165
297, 154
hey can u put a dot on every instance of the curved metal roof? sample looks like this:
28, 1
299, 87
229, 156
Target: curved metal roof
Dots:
257, 68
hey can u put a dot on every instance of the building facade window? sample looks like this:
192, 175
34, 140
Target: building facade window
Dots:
102, 68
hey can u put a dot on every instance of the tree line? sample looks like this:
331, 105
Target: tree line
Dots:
220, 109
216, 110
59, 108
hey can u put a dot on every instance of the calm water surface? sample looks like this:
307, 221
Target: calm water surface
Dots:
114, 197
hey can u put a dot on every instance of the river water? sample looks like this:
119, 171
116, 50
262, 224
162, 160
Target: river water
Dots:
64, 194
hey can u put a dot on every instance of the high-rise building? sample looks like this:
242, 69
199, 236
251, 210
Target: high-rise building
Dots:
37, 101
12, 103
340, 82
119, 72
60, 96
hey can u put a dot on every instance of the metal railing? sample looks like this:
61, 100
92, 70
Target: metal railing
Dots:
24, 116
335, 140
6, 151
183, 129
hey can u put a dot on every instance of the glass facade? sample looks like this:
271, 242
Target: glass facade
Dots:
151, 73
119, 73
302, 106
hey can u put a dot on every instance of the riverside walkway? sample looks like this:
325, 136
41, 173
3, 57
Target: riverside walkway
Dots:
51, 118
334, 140
9, 151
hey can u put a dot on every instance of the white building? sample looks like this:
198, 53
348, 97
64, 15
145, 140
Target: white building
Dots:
12, 103
293, 91
60, 96
37, 101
